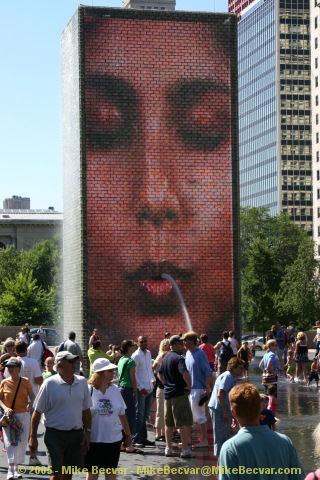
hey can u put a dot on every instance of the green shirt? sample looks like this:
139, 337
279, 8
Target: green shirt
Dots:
94, 354
126, 379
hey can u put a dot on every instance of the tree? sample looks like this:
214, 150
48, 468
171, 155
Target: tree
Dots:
24, 301
40, 269
10, 261
276, 255
297, 299
259, 285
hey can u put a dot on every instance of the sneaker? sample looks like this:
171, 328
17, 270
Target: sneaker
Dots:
34, 462
17, 474
10, 474
187, 453
202, 444
168, 452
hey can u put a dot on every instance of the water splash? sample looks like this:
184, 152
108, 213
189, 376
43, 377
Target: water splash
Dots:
166, 276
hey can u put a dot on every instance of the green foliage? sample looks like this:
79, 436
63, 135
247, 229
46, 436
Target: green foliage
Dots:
10, 260
24, 301
30, 286
298, 293
277, 271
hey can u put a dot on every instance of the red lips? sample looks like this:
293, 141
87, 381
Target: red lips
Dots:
156, 288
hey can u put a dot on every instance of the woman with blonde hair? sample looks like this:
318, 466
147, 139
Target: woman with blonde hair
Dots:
301, 356
9, 346
164, 348
269, 365
109, 422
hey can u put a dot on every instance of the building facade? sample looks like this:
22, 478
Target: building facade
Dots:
161, 5
237, 6
274, 108
24, 228
16, 202
315, 109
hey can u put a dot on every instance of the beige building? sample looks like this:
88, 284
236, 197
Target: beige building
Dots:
24, 228
168, 5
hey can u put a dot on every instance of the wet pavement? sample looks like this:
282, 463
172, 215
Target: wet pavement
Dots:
298, 415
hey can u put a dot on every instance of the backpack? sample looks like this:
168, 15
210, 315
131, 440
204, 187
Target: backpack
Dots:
61, 347
46, 353
226, 351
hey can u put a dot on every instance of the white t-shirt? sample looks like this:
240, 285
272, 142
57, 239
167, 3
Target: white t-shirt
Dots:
35, 350
106, 425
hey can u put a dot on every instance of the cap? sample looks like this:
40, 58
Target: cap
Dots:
4, 358
102, 364
175, 339
65, 355
13, 362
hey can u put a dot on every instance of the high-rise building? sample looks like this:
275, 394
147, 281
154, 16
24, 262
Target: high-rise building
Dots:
17, 203
237, 6
274, 108
315, 109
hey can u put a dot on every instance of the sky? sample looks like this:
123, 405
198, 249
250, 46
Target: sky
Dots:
30, 94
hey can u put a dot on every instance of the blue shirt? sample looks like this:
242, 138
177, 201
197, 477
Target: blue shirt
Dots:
280, 338
259, 447
274, 361
225, 382
198, 367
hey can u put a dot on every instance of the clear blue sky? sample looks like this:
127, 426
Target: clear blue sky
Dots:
30, 94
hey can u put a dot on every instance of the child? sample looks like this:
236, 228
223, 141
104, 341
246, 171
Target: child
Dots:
266, 416
273, 402
314, 372
244, 354
290, 366
253, 349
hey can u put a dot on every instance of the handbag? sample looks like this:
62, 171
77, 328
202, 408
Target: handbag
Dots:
268, 377
4, 420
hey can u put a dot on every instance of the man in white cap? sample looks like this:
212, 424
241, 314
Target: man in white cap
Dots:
65, 401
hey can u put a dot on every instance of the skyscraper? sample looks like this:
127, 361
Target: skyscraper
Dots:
274, 107
237, 6
315, 109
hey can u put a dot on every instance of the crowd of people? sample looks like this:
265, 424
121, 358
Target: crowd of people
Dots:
191, 381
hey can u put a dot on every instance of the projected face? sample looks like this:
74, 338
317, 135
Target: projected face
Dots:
158, 177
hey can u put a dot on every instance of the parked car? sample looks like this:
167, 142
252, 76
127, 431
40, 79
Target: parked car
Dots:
53, 337
259, 342
248, 337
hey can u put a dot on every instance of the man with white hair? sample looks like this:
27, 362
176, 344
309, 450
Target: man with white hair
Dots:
65, 401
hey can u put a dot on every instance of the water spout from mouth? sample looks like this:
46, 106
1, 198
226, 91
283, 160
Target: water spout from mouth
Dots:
166, 276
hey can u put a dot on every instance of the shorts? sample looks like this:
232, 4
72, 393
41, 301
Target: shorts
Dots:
280, 352
177, 411
65, 448
103, 455
198, 413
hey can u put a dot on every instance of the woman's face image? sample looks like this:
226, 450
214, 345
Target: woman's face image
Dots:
158, 177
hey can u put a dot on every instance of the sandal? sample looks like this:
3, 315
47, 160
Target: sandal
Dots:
161, 438
135, 450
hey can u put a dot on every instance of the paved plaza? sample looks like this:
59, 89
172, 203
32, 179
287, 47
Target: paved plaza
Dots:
298, 413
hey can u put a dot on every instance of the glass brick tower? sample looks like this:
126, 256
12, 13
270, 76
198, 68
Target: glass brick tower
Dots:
274, 107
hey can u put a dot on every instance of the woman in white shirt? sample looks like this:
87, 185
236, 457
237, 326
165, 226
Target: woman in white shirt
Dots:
106, 430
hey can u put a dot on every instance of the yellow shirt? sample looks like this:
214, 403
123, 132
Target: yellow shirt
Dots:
8, 389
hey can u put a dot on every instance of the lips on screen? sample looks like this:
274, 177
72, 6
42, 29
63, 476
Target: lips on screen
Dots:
158, 173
